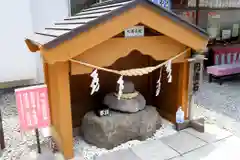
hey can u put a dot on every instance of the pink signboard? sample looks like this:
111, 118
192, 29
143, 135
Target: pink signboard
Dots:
33, 107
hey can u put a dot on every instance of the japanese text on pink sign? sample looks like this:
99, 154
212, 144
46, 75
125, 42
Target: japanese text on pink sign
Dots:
33, 107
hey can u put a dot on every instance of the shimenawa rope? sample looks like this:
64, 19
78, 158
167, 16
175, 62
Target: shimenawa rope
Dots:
131, 72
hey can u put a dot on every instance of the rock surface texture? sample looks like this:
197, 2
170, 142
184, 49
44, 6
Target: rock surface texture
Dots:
132, 105
131, 101
128, 87
111, 131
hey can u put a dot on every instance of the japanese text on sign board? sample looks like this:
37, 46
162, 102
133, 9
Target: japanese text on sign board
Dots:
33, 108
196, 76
163, 3
136, 31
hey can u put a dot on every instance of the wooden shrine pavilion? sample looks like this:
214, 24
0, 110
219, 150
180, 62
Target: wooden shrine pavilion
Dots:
96, 36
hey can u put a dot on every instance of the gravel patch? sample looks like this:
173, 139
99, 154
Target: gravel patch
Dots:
17, 143
90, 152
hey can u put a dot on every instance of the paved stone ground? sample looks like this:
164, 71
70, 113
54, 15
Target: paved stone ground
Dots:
220, 104
188, 144
223, 98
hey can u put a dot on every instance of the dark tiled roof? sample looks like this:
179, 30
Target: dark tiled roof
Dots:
96, 14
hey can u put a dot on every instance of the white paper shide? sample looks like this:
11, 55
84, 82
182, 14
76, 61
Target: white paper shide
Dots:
169, 71
95, 82
121, 86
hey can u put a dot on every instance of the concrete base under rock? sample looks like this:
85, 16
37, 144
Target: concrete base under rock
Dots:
111, 131
197, 124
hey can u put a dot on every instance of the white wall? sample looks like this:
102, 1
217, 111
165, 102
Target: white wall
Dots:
44, 13
19, 19
15, 60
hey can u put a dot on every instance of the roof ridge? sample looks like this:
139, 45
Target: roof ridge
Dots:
103, 12
105, 4
109, 2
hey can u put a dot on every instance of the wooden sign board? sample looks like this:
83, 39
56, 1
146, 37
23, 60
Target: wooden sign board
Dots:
196, 76
136, 31
163, 3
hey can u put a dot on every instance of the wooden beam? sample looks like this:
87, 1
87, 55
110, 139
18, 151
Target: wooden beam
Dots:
183, 86
60, 106
52, 93
105, 54
45, 70
32, 47
65, 114
56, 136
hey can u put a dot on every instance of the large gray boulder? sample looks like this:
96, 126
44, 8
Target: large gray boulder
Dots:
111, 131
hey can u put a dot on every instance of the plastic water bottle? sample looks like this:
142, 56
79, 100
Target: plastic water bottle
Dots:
180, 115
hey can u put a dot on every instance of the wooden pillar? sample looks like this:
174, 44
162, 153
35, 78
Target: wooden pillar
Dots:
45, 69
51, 79
183, 87
60, 106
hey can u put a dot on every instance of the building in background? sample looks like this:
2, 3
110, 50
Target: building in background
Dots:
220, 18
19, 18
17, 65
205, 12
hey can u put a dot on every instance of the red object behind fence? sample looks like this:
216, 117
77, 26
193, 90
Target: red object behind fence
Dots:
226, 55
33, 107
